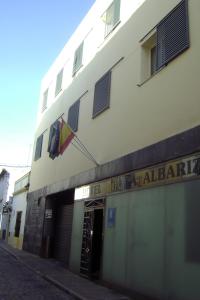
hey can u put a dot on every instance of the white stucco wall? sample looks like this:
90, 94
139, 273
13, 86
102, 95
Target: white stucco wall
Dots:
91, 30
19, 204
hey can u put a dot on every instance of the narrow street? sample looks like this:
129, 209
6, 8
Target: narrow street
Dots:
18, 282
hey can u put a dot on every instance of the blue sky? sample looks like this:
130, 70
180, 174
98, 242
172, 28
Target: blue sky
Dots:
32, 33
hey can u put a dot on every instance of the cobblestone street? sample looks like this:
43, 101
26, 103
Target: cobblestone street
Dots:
18, 282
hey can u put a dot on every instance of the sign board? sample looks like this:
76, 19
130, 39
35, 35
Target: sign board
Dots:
169, 172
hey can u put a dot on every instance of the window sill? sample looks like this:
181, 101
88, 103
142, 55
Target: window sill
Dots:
96, 114
36, 159
105, 37
76, 71
43, 109
58, 93
150, 77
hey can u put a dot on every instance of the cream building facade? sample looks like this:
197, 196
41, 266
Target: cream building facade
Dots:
125, 210
18, 212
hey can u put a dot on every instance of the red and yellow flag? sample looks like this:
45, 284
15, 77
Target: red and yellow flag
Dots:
66, 135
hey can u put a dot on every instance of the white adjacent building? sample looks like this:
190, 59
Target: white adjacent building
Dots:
18, 212
4, 184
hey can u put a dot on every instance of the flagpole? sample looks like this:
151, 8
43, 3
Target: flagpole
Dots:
81, 145
85, 154
85, 149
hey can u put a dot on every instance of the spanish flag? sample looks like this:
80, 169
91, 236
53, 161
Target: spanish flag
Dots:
66, 136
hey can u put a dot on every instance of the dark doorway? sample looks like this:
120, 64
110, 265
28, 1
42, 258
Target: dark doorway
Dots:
58, 226
62, 236
97, 240
18, 223
92, 242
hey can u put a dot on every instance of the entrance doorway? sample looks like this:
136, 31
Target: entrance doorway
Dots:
62, 233
92, 241
58, 226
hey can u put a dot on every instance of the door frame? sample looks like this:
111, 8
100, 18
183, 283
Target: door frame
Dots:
89, 207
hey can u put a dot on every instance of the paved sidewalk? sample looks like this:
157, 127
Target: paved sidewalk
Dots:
71, 283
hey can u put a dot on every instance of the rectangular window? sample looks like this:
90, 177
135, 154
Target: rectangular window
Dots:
59, 83
44, 101
153, 60
173, 34
18, 223
73, 115
112, 16
168, 39
78, 59
102, 94
38, 148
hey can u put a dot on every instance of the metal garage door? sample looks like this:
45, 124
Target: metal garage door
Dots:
63, 230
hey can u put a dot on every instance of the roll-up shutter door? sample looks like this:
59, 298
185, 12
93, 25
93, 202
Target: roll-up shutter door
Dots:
63, 230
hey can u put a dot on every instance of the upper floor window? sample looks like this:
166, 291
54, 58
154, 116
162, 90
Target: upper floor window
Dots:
172, 34
59, 82
73, 115
44, 100
153, 60
102, 94
169, 39
38, 148
78, 59
112, 16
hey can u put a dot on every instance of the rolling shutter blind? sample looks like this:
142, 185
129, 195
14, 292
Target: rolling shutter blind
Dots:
73, 115
38, 149
59, 82
78, 59
63, 231
172, 34
102, 94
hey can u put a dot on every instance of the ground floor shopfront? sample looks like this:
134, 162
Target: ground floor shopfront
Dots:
48, 225
146, 239
133, 222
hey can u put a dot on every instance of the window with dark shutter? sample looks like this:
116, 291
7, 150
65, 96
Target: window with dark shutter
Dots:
102, 94
78, 59
38, 149
168, 39
59, 82
172, 34
44, 103
73, 115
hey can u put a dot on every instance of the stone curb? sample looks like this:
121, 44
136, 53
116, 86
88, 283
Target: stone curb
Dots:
62, 287
46, 277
